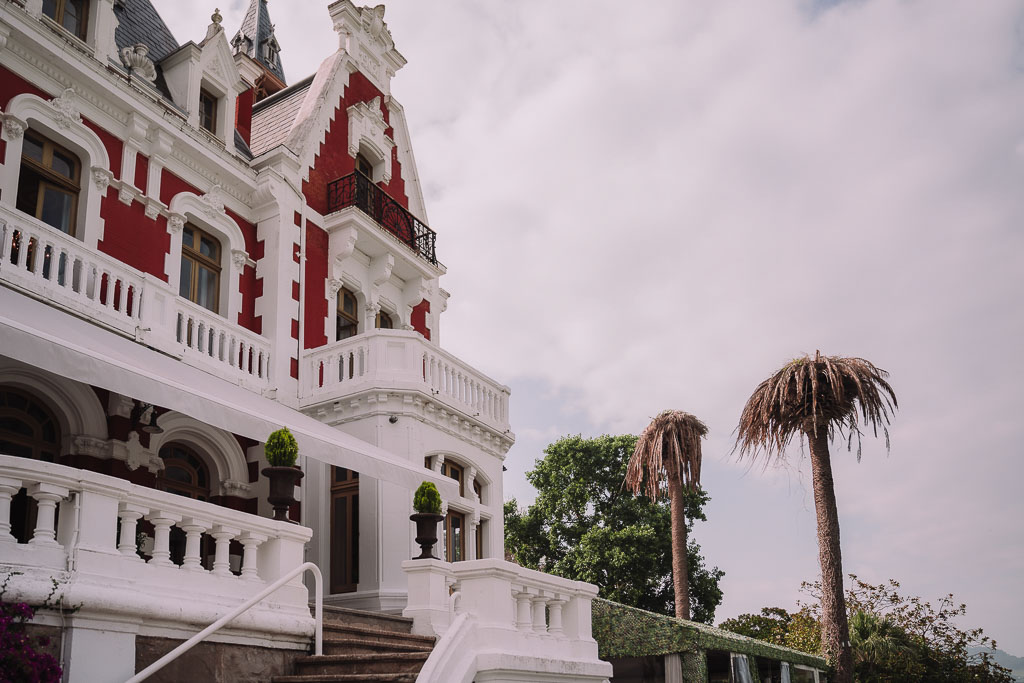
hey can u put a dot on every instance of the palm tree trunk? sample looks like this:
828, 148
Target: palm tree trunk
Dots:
680, 570
835, 632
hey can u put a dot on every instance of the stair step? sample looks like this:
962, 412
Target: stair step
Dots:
383, 663
376, 635
352, 678
349, 617
357, 646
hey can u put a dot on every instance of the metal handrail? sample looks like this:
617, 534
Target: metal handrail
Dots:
318, 646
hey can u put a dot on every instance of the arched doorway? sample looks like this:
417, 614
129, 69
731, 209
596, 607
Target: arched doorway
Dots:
28, 429
185, 473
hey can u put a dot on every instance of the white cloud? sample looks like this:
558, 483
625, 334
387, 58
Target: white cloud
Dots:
655, 205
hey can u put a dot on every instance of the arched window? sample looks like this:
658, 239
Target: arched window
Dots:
384, 321
456, 472
184, 472
200, 268
71, 14
48, 184
348, 314
27, 427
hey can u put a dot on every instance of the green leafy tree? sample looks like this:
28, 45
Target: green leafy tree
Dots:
798, 630
584, 525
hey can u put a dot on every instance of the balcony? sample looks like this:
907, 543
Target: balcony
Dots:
356, 190
57, 268
84, 551
400, 359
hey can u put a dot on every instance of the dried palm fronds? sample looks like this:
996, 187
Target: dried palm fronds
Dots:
809, 394
668, 448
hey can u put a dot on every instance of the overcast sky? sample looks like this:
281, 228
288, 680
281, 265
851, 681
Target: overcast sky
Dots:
656, 204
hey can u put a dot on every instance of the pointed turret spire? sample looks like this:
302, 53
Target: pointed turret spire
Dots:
256, 39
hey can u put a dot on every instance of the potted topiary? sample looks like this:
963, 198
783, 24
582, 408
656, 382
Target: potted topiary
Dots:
427, 504
282, 451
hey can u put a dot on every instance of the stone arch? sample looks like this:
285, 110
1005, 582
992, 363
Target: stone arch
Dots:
219, 449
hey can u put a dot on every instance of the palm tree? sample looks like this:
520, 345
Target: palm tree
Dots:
817, 398
668, 452
881, 649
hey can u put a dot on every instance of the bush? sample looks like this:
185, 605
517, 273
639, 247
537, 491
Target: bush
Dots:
281, 448
19, 660
427, 499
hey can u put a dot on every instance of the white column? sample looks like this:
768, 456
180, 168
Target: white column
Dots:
555, 615
193, 529
130, 515
46, 496
162, 523
524, 617
223, 535
8, 488
250, 543
540, 620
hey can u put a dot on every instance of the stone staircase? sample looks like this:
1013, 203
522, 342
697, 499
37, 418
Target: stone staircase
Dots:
362, 647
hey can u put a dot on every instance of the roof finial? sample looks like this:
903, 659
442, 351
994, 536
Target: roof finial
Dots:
216, 17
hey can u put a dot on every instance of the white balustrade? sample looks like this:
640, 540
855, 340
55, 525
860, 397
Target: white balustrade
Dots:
536, 621
50, 264
91, 507
404, 360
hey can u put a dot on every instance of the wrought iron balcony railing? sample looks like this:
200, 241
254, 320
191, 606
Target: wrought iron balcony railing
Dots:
359, 191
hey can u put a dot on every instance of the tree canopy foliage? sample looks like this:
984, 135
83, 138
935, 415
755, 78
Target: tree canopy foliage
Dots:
586, 526
895, 638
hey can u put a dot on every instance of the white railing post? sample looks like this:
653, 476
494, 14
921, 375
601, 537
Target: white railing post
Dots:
223, 535
250, 543
162, 522
540, 621
46, 496
193, 529
8, 489
524, 617
130, 515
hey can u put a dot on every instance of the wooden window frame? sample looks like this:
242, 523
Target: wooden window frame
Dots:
214, 102
344, 490
449, 545
353, 320
480, 540
195, 490
381, 317
60, 6
446, 470
198, 260
47, 176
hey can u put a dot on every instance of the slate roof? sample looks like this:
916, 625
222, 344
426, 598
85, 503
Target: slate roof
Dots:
139, 22
272, 118
256, 30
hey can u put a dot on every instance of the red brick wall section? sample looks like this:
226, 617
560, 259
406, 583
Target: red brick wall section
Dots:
171, 185
333, 162
243, 115
131, 237
114, 146
418, 320
249, 285
12, 84
141, 171
315, 281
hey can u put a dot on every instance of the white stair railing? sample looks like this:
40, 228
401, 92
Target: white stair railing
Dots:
318, 638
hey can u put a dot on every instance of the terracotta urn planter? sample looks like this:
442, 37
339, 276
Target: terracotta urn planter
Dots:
282, 489
426, 533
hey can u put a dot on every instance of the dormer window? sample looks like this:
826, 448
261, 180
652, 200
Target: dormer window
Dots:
70, 14
207, 111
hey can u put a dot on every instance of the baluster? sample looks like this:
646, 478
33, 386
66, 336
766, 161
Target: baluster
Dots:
555, 615
524, 618
193, 529
137, 307
108, 300
540, 622
129, 515
23, 242
77, 276
6, 238
250, 542
202, 343
233, 352
46, 496
223, 535
8, 488
162, 523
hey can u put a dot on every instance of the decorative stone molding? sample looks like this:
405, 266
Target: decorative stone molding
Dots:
69, 111
135, 455
153, 208
213, 201
364, 35
136, 58
175, 223
230, 487
366, 126
126, 194
241, 259
334, 285
89, 445
101, 178
14, 127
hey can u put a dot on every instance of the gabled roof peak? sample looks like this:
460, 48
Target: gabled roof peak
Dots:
255, 38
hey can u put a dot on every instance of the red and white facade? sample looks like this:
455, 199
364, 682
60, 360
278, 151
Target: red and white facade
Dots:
191, 244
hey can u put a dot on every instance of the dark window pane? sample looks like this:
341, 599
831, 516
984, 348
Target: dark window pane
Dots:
16, 449
185, 287
50, 8
208, 248
64, 165
32, 149
57, 208
187, 237
72, 16
178, 474
13, 425
206, 288
28, 191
